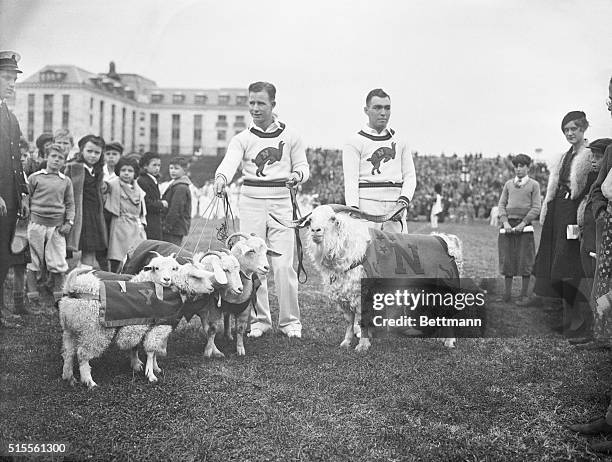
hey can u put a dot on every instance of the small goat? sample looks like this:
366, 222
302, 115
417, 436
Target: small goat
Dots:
250, 251
85, 337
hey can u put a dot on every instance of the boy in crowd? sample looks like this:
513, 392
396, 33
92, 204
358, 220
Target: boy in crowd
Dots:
178, 197
150, 164
64, 138
51, 218
112, 153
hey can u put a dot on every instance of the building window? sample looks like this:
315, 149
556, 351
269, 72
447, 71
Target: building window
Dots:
221, 135
154, 134
133, 131
52, 76
112, 135
157, 98
123, 126
224, 100
101, 119
201, 99
241, 100
239, 123
31, 99
178, 98
48, 113
176, 134
91, 108
197, 132
221, 151
65, 111
221, 121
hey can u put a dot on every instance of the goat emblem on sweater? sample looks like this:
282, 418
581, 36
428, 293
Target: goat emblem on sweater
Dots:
268, 156
382, 154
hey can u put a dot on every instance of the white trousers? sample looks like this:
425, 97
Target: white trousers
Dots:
254, 218
47, 248
375, 207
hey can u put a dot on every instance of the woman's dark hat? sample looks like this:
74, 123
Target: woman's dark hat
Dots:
571, 116
600, 144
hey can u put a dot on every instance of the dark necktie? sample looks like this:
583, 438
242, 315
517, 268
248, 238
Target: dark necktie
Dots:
4, 112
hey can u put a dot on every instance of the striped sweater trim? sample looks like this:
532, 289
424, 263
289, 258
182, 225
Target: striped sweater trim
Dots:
263, 134
386, 137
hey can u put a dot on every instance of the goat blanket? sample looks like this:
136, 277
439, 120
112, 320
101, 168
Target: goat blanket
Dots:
138, 257
124, 303
408, 256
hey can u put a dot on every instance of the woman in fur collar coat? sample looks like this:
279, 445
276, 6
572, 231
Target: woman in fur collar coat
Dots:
558, 268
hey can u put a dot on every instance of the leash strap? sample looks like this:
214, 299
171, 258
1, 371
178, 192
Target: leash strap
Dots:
298, 242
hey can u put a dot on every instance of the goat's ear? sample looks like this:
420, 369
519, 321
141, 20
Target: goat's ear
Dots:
273, 253
220, 276
147, 268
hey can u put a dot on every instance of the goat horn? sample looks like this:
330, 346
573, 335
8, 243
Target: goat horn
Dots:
231, 236
156, 253
212, 252
227, 251
337, 208
299, 223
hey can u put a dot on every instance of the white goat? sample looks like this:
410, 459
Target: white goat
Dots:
194, 283
337, 244
250, 251
83, 334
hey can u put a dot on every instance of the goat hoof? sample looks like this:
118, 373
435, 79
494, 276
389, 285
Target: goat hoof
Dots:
218, 354
137, 367
362, 347
240, 351
90, 384
152, 378
229, 337
346, 344
71, 381
157, 369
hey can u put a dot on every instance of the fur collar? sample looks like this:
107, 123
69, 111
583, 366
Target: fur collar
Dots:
579, 172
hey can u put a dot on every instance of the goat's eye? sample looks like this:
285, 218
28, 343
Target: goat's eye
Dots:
156, 268
175, 268
307, 223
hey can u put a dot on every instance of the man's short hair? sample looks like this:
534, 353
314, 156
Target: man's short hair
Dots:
147, 157
376, 92
264, 86
180, 161
523, 159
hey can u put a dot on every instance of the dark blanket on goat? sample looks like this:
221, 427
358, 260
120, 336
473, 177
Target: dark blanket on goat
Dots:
138, 257
124, 303
408, 256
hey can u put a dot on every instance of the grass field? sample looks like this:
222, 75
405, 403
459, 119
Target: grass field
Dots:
289, 399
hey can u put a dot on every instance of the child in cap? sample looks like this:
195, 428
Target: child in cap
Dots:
150, 163
519, 205
52, 212
177, 219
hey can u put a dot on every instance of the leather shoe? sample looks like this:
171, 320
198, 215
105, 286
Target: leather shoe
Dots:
604, 446
594, 427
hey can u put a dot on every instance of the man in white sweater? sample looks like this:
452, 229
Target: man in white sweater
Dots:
378, 167
271, 157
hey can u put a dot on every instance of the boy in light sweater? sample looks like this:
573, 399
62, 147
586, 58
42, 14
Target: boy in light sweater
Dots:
51, 218
378, 168
272, 158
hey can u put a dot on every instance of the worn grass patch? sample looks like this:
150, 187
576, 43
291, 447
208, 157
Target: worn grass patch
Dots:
406, 399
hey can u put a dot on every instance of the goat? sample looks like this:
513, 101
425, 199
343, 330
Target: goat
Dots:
251, 252
337, 244
85, 336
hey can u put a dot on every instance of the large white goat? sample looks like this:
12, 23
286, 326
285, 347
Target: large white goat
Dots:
84, 335
250, 252
337, 243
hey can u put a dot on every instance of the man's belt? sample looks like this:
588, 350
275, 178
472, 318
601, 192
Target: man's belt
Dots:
267, 184
381, 184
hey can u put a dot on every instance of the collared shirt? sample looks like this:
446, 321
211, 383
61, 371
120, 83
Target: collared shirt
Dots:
518, 182
47, 172
154, 178
89, 169
370, 131
275, 125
